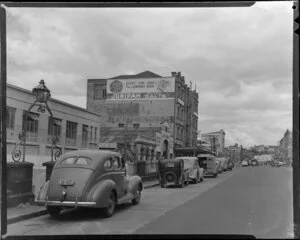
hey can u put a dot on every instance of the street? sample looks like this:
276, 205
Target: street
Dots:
248, 200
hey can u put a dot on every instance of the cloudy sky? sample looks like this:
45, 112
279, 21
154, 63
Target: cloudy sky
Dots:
240, 59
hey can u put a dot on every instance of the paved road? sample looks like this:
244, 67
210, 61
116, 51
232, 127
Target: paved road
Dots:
256, 201
244, 201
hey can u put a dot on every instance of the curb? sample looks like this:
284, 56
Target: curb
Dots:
26, 216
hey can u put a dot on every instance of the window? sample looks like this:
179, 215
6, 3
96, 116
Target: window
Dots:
91, 134
71, 133
69, 160
95, 134
99, 91
10, 117
121, 125
56, 129
80, 161
84, 135
83, 161
108, 164
32, 126
136, 125
116, 162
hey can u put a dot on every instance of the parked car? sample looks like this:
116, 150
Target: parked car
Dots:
89, 178
172, 171
223, 164
254, 162
230, 164
245, 163
218, 163
196, 174
209, 164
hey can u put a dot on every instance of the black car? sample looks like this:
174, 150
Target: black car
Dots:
172, 172
254, 162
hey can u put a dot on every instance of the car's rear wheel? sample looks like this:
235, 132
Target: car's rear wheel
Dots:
110, 209
53, 211
137, 200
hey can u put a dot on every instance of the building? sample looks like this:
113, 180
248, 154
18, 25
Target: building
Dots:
74, 127
145, 107
234, 152
260, 148
286, 147
216, 140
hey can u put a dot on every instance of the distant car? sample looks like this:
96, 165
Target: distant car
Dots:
254, 162
89, 178
209, 164
196, 174
172, 171
230, 164
245, 163
280, 164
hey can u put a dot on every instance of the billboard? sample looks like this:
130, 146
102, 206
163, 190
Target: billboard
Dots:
144, 88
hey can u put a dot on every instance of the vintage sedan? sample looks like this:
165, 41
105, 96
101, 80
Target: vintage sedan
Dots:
223, 164
172, 172
196, 174
209, 164
89, 178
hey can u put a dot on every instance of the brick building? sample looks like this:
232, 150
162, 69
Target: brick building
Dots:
162, 112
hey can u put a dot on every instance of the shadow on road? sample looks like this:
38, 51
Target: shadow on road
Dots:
79, 214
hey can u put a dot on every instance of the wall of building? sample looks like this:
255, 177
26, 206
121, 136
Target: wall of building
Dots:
39, 143
144, 103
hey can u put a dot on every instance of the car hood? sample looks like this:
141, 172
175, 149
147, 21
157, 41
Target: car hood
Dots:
78, 176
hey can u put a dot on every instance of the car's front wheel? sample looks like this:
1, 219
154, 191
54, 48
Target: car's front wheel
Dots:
53, 211
110, 209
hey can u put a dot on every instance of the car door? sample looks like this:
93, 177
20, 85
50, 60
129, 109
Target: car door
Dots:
119, 175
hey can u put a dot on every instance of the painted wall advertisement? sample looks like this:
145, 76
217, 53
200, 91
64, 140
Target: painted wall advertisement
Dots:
144, 89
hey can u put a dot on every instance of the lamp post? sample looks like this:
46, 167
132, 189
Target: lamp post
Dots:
42, 94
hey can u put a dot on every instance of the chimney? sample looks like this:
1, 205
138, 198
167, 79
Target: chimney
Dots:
173, 74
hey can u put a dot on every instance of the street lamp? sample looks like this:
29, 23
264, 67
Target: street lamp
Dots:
42, 94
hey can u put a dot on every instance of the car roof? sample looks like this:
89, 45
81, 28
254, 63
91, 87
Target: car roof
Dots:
97, 156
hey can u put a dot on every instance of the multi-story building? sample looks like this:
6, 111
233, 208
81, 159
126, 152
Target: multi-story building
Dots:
216, 140
285, 147
234, 152
163, 110
74, 127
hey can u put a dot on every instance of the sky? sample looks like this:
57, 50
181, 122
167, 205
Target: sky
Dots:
238, 59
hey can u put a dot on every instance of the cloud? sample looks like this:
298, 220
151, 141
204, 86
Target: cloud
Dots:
239, 58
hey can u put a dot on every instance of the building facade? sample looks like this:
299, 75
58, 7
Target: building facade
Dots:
216, 140
160, 109
74, 127
286, 147
234, 152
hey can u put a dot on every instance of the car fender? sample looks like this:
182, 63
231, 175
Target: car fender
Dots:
135, 183
100, 192
43, 192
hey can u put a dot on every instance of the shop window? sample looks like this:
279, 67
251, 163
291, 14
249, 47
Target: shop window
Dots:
10, 117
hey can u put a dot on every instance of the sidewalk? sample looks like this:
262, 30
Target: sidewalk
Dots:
27, 211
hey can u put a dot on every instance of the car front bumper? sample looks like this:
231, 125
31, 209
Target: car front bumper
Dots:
65, 203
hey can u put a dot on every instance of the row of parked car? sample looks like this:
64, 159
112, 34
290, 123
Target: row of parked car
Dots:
184, 170
98, 179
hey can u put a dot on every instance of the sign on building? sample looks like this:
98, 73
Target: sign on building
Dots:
145, 88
